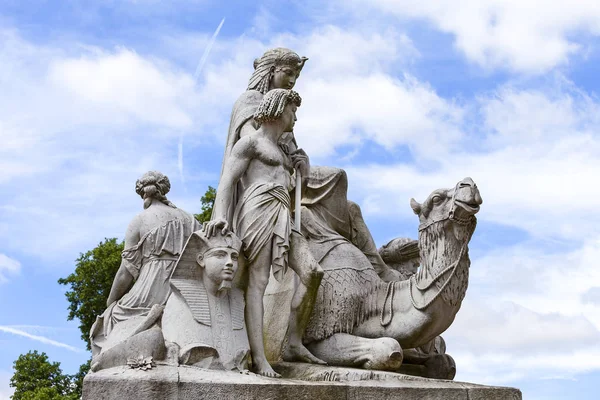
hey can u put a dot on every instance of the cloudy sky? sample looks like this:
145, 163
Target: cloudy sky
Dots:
406, 96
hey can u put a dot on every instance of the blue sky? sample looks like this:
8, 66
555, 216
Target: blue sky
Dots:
407, 97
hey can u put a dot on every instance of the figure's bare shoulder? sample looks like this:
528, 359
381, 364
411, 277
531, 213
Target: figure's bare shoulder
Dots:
246, 146
132, 235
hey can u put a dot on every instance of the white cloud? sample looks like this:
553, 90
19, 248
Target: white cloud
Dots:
515, 344
529, 36
122, 84
535, 278
102, 117
524, 307
8, 266
535, 160
5, 390
80, 125
390, 112
350, 94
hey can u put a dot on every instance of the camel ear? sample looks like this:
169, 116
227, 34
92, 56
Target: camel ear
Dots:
415, 206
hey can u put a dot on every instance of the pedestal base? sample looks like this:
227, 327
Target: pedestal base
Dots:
187, 383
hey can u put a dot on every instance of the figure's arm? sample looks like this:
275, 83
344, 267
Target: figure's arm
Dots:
235, 166
123, 278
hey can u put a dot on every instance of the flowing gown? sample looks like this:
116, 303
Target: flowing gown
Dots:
150, 262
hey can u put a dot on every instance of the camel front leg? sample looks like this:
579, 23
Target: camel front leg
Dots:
347, 350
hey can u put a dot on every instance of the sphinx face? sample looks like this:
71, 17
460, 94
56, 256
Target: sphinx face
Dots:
220, 265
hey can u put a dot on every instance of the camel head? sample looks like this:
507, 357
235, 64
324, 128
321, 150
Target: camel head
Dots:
446, 224
459, 204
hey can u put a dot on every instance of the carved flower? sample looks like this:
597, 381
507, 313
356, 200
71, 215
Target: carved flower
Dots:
141, 363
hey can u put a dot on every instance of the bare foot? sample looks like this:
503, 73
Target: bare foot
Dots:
266, 370
300, 353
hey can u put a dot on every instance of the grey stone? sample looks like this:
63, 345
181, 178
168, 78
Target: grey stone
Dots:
186, 383
359, 320
256, 181
204, 316
339, 302
129, 328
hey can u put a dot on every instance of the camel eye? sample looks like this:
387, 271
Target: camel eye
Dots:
437, 199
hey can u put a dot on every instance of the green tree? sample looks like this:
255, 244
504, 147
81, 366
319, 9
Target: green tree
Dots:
208, 202
36, 378
77, 379
91, 283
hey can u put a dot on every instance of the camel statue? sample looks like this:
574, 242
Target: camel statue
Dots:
361, 321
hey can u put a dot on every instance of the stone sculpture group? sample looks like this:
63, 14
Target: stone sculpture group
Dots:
221, 296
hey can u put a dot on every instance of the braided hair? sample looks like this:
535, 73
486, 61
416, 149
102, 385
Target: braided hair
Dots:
264, 67
272, 105
153, 185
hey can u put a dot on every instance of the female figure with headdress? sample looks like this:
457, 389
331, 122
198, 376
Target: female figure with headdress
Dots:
153, 242
278, 68
324, 190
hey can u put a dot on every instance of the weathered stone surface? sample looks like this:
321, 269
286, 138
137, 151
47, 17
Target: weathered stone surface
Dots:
204, 316
186, 383
153, 241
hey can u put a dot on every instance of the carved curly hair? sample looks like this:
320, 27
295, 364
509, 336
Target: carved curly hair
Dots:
153, 185
272, 105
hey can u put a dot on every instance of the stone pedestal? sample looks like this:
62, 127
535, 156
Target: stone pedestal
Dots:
310, 383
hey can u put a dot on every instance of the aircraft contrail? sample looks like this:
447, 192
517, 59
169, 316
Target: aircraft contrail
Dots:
199, 68
207, 51
38, 338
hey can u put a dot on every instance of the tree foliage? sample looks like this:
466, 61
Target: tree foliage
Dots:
208, 202
91, 283
36, 378
77, 379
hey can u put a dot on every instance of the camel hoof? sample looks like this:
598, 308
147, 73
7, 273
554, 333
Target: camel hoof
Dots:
440, 366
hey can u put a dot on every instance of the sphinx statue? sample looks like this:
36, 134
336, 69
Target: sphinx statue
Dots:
204, 316
153, 242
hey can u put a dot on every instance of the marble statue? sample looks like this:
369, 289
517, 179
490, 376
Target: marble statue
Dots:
361, 321
204, 316
262, 220
280, 68
277, 68
308, 297
402, 255
153, 242
430, 359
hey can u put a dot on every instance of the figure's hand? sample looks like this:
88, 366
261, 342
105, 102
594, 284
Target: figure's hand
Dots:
285, 148
301, 162
210, 227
